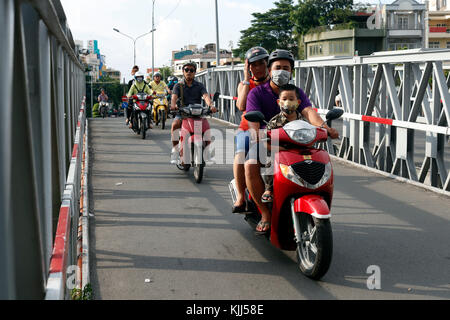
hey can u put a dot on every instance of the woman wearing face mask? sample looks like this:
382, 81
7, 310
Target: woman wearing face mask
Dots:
264, 98
255, 74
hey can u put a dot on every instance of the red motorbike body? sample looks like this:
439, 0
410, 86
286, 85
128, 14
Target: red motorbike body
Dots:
309, 163
142, 104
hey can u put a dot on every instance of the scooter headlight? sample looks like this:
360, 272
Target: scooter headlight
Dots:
303, 136
290, 174
196, 111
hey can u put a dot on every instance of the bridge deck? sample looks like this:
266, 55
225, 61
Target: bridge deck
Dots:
152, 221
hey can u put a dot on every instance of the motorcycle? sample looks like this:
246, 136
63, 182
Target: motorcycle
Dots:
302, 194
103, 109
194, 138
160, 109
142, 109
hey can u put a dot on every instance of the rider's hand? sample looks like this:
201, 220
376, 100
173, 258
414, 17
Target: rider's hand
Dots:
333, 133
213, 109
247, 71
173, 108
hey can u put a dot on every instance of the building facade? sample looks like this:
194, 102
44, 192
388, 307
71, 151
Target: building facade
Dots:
204, 57
439, 24
404, 21
113, 74
396, 26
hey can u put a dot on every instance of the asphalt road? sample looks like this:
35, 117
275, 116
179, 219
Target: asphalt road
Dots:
157, 235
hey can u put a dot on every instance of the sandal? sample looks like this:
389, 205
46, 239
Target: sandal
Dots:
239, 209
267, 197
261, 225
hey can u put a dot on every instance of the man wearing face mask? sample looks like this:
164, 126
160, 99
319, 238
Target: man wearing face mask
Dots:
264, 98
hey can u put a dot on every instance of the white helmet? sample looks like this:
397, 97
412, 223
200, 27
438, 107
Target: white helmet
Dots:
139, 76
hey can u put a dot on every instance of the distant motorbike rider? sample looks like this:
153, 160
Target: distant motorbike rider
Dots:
172, 82
189, 91
103, 97
157, 85
139, 86
133, 73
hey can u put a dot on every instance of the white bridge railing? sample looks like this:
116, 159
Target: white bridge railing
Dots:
42, 86
397, 109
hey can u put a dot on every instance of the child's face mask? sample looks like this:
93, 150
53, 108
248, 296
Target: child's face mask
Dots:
288, 106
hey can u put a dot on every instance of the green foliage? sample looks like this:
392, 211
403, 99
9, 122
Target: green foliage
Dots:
95, 111
282, 27
85, 294
272, 30
113, 88
313, 13
165, 72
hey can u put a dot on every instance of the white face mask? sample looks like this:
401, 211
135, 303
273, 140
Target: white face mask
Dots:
281, 77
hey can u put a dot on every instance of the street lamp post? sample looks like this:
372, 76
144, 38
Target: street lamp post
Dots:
134, 40
217, 37
153, 38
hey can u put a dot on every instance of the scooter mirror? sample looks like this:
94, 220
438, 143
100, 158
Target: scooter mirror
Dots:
216, 96
254, 116
334, 114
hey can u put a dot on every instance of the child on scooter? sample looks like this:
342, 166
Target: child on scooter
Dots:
289, 100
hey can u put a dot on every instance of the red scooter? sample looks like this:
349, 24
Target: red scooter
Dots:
142, 110
194, 138
302, 194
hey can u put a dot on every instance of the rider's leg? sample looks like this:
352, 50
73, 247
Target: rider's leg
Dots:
242, 145
239, 177
256, 187
129, 110
253, 179
176, 126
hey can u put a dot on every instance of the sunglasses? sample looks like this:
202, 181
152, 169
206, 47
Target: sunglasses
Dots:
189, 70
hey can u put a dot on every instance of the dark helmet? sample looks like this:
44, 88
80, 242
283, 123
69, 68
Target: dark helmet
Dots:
281, 54
256, 53
190, 63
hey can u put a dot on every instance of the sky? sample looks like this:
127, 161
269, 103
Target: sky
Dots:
177, 22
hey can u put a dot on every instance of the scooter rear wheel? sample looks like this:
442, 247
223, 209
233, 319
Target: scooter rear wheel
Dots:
163, 120
315, 248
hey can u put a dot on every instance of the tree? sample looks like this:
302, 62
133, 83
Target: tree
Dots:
271, 30
113, 88
166, 72
313, 13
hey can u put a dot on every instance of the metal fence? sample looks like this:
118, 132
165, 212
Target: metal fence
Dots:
397, 109
42, 86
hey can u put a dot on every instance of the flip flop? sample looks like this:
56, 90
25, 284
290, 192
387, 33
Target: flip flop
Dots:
239, 209
266, 198
262, 225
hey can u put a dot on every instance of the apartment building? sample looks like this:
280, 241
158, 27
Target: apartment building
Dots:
439, 24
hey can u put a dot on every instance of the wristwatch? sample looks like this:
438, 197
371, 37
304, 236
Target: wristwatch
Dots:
245, 83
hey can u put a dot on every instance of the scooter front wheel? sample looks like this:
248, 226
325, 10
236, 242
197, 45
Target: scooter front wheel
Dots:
143, 129
197, 155
198, 173
314, 245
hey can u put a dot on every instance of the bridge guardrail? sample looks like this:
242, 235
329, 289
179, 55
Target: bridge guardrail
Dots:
397, 109
65, 252
42, 84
